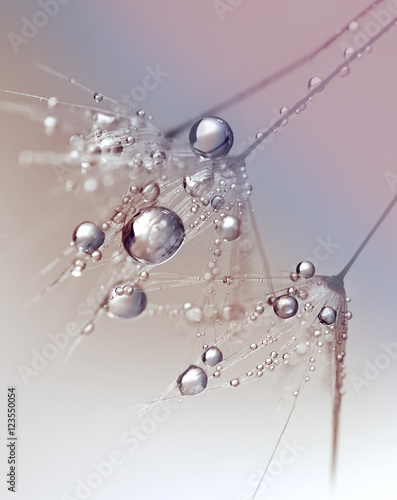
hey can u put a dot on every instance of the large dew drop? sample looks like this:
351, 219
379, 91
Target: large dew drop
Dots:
154, 235
126, 301
192, 381
88, 237
211, 137
285, 306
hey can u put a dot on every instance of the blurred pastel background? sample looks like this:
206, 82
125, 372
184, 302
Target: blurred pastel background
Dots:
324, 175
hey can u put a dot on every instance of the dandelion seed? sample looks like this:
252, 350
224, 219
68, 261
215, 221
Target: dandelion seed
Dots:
172, 198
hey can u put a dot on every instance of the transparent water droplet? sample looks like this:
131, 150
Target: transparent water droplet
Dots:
88, 237
124, 306
217, 202
345, 71
200, 184
192, 381
327, 315
212, 356
305, 269
96, 255
150, 192
228, 227
314, 82
211, 137
349, 52
154, 235
285, 306
98, 97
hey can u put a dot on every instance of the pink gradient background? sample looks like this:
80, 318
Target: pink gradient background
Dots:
323, 175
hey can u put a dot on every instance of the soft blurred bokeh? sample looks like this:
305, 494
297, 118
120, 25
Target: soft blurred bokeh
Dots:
325, 175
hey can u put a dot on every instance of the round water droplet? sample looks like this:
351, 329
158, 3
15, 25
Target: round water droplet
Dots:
217, 202
314, 82
235, 382
98, 97
345, 71
305, 269
88, 237
96, 255
125, 306
228, 227
199, 185
150, 192
154, 235
211, 137
348, 52
212, 356
285, 306
327, 315
192, 381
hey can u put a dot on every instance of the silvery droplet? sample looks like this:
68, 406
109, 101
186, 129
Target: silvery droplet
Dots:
327, 315
305, 269
285, 306
212, 356
228, 227
126, 306
211, 137
314, 82
199, 185
192, 381
150, 192
88, 237
217, 202
154, 235
98, 97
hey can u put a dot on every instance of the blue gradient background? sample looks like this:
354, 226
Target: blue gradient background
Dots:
322, 175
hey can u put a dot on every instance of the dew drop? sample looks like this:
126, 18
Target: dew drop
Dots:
228, 227
327, 315
217, 202
192, 381
124, 306
212, 356
211, 137
150, 192
88, 237
348, 52
285, 306
199, 185
98, 97
154, 235
305, 269
314, 82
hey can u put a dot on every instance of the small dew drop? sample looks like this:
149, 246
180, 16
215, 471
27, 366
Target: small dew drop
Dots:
98, 97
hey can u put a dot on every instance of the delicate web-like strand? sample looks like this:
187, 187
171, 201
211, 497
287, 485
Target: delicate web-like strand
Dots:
263, 135
257, 87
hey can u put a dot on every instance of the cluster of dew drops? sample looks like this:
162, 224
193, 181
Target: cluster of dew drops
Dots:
174, 191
